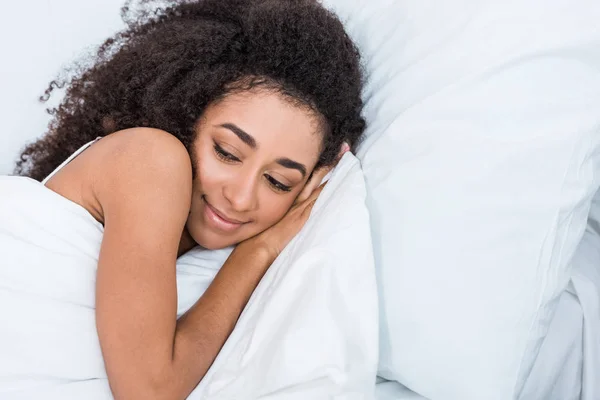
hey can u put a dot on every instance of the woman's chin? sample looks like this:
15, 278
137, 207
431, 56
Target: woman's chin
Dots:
214, 243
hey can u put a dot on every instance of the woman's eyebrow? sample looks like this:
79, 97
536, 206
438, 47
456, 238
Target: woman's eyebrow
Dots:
250, 141
239, 132
287, 163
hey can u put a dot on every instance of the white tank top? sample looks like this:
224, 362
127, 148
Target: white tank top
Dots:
71, 158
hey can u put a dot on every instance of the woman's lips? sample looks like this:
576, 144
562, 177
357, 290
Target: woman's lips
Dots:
218, 220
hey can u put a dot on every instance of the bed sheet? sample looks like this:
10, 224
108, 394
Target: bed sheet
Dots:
569, 360
557, 372
568, 363
586, 284
394, 391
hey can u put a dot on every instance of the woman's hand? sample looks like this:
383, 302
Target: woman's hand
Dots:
274, 239
319, 175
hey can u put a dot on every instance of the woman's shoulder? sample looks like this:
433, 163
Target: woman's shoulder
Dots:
155, 147
138, 159
144, 151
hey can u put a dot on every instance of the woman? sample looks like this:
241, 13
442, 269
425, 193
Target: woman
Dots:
217, 119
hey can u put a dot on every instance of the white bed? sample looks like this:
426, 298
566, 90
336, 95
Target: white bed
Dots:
395, 391
568, 364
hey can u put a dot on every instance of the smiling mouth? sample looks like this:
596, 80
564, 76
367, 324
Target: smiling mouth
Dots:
221, 217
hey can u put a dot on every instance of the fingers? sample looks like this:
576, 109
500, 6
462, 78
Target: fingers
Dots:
322, 172
343, 150
318, 176
308, 209
312, 184
317, 191
310, 202
314, 195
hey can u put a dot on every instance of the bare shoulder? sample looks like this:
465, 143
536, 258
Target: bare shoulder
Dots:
150, 148
138, 159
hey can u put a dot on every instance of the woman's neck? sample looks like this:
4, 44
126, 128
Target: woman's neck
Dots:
186, 243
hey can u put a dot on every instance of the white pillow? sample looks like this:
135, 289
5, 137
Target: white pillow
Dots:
482, 158
309, 330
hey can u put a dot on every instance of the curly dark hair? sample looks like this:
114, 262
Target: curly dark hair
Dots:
171, 62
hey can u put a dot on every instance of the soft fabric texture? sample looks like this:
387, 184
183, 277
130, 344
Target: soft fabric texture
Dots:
586, 285
309, 330
594, 217
481, 160
568, 364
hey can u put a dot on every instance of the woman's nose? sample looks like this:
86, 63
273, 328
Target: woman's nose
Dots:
241, 193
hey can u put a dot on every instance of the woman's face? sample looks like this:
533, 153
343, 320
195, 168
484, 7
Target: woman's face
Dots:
254, 152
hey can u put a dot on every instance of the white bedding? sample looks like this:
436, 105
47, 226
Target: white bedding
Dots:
568, 363
557, 371
308, 332
586, 284
395, 391
481, 158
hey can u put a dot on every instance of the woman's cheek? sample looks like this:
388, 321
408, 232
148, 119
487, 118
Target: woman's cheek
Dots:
277, 207
212, 172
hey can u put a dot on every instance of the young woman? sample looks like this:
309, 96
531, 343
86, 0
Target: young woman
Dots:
216, 121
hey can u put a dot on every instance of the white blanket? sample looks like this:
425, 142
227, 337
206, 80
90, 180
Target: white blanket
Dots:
586, 285
308, 332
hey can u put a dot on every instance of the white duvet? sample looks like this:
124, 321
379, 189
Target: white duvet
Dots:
308, 332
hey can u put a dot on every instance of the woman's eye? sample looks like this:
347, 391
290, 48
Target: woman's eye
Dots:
225, 156
278, 185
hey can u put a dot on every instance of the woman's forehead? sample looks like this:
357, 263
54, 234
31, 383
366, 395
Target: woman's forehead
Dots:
272, 122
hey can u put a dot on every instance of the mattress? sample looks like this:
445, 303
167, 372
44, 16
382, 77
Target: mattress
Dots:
568, 363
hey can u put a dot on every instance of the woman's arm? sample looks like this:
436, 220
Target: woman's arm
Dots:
145, 195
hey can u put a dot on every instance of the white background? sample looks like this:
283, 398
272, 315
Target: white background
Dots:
37, 39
